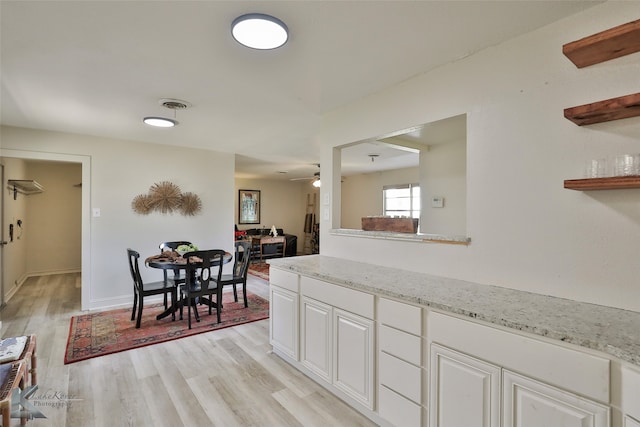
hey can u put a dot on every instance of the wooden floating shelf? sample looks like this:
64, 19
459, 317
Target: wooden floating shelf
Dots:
612, 183
605, 111
603, 46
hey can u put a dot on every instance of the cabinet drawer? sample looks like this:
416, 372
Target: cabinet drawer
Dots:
398, 410
631, 392
558, 365
400, 344
356, 302
401, 316
400, 376
284, 279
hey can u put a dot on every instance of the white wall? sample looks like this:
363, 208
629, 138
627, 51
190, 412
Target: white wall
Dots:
444, 174
49, 239
52, 226
15, 272
527, 231
120, 170
362, 194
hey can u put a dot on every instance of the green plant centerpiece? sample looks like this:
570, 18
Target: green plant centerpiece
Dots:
183, 249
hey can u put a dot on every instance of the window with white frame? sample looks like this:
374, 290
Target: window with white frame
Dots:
402, 200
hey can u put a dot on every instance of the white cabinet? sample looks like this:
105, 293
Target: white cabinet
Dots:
316, 333
353, 356
413, 366
479, 374
464, 391
337, 338
530, 403
631, 396
283, 313
283, 321
400, 363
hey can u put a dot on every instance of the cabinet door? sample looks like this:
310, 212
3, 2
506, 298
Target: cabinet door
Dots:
315, 335
283, 321
464, 391
530, 403
353, 356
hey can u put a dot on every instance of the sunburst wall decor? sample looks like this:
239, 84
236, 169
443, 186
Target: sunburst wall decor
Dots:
166, 197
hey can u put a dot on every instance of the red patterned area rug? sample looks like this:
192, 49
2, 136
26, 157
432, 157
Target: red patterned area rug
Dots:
106, 332
259, 269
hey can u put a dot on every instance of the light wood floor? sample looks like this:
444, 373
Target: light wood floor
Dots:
222, 378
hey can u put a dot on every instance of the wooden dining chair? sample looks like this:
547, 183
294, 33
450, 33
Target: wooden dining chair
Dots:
240, 269
177, 278
141, 289
201, 283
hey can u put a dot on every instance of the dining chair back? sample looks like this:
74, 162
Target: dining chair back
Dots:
203, 274
240, 270
141, 289
177, 277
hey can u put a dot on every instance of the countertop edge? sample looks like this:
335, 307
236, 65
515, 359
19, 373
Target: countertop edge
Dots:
600, 341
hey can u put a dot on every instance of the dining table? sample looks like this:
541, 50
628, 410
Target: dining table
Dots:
172, 260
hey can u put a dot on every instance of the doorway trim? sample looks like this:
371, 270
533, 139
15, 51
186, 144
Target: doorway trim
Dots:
85, 272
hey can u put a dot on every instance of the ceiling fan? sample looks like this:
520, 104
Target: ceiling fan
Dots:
315, 177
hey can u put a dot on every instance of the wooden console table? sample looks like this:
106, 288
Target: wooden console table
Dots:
260, 241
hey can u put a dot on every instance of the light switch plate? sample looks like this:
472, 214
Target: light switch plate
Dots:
325, 214
437, 202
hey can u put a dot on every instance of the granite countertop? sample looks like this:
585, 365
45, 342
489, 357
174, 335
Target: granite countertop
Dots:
610, 330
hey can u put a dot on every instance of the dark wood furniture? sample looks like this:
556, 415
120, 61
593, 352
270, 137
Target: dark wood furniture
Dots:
201, 283
174, 262
173, 246
240, 270
291, 248
260, 241
141, 289
177, 277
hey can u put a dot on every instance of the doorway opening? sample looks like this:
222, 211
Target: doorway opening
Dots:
84, 188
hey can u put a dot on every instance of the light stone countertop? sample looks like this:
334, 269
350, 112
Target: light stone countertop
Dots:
610, 330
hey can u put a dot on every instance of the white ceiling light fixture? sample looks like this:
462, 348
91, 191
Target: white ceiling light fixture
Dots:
160, 122
317, 183
259, 31
164, 122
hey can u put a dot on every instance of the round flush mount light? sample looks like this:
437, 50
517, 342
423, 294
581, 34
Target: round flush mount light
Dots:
259, 31
160, 122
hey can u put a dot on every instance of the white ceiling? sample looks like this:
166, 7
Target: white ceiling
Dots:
99, 67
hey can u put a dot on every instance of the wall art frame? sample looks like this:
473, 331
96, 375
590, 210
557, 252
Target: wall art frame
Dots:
249, 206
